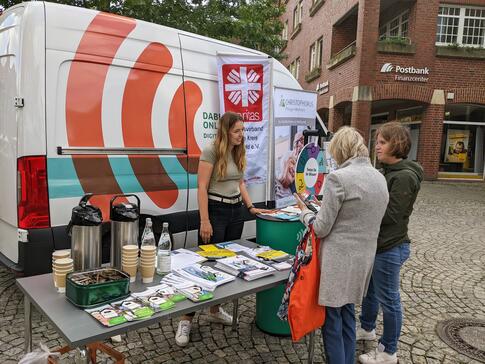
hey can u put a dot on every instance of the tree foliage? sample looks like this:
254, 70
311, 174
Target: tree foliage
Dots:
251, 23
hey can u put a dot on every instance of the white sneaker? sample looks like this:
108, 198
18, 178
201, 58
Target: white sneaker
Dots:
220, 317
116, 339
182, 336
379, 356
362, 334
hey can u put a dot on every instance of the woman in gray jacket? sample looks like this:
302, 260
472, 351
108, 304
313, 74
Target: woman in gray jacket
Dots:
354, 201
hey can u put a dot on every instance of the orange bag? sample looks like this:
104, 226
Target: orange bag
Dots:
304, 313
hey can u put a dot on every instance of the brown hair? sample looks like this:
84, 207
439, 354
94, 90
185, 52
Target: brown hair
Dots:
222, 147
398, 136
347, 143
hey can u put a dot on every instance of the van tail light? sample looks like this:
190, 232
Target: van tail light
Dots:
33, 198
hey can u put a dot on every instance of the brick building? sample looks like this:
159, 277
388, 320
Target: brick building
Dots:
421, 62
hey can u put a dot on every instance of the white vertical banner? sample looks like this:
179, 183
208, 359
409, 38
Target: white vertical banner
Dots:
244, 88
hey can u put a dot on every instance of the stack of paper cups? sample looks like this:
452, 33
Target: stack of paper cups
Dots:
60, 267
147, 263
59, 254
129, 260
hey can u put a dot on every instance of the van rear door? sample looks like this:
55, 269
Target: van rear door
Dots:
10, 24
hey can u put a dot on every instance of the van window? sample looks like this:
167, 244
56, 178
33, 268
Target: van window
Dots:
8, 36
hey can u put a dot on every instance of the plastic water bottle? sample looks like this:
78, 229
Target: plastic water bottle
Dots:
164, 252
148, 239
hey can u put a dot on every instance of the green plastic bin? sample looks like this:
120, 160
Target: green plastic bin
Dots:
280, 235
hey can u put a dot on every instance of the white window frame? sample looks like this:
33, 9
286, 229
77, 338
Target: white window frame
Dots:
316, 54
385, 30
295, 68
297, 14
461, 25
284, 32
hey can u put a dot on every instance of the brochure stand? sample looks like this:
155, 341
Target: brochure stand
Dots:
279, 235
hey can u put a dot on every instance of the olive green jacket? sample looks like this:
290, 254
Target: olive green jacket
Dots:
403, 183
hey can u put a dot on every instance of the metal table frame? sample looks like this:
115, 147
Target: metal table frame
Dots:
78, 329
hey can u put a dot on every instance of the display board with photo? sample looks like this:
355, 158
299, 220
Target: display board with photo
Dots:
457, 146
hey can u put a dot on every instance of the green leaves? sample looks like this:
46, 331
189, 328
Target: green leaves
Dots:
250, 23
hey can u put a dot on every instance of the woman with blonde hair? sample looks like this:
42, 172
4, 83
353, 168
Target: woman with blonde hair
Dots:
220, 192
353, 203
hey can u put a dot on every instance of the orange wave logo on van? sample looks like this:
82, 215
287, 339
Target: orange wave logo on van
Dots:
150, 68
84, 95
191, 102
87, 76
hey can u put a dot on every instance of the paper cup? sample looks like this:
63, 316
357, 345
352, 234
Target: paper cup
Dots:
130, 260
130, 248
60, 254
63, 262
149, 249
148, 260
131, 270
147, 273
129, 253
57, 266
67, 268
61, 282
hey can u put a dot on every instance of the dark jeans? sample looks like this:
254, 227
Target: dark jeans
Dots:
384, 291
226, 220
338, 334
227, 224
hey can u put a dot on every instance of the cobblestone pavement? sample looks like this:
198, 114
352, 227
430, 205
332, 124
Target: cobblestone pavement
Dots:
444, 278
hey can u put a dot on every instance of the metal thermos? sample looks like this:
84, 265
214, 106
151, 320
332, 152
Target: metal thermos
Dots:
85, 231
124, 226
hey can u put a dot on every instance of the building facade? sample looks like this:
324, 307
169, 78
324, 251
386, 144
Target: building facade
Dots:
420, 62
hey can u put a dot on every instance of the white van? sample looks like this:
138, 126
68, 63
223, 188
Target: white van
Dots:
96, 103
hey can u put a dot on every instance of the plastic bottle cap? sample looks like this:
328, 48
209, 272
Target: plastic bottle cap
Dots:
165, 224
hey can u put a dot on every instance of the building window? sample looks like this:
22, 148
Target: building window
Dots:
396, 28
316, 54
284, 32
295, 68
461, 25
297, 14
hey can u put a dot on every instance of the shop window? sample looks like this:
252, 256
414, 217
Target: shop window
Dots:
396, 27
462, 148
465, 113
316, 54
410, 117
461, 25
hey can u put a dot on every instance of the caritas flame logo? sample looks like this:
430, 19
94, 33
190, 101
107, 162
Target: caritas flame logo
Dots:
243, 90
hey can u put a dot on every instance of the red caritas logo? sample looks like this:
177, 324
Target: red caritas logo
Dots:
243, 90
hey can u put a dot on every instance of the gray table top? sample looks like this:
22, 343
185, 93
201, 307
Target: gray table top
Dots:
78, 328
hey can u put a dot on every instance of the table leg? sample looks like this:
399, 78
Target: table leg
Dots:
27, 325
311, 347
235, 311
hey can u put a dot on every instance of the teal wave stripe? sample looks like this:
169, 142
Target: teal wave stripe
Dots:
63, 180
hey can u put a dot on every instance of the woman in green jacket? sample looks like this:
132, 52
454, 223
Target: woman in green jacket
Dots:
403, 179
